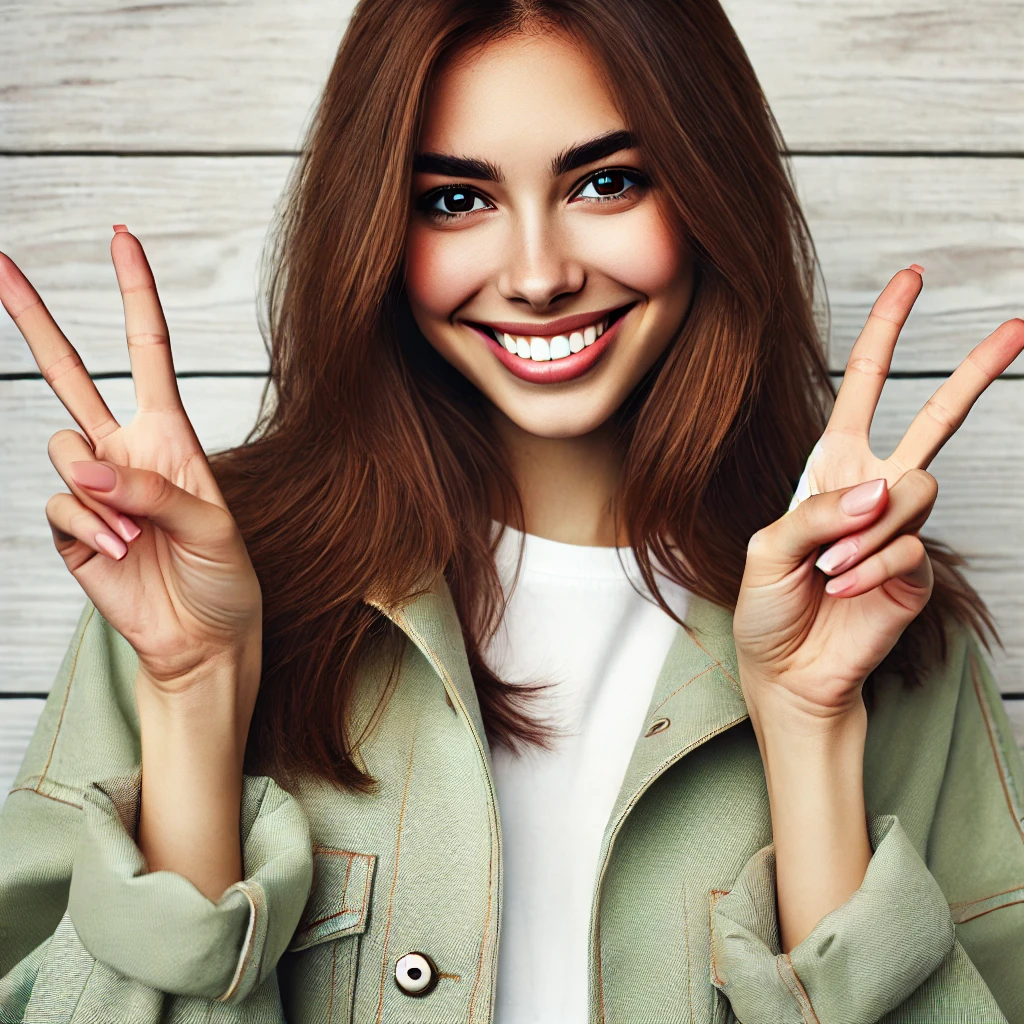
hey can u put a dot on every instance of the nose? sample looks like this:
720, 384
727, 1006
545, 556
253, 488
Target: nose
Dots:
539, 268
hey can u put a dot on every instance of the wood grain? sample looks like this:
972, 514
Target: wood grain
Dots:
243, 75
979, 510
962, 219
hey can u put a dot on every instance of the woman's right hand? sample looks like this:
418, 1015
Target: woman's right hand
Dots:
144, 529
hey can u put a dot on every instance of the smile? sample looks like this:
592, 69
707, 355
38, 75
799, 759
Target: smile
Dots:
557, 351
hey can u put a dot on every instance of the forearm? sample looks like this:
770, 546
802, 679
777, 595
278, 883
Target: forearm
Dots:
814, 770
193, 744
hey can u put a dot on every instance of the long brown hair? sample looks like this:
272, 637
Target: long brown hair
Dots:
371, 469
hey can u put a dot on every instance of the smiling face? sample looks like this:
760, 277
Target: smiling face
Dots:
538, 261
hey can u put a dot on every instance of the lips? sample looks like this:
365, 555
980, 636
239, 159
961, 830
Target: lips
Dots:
555, 351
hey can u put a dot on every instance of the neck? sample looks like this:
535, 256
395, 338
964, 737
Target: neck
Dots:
566, 485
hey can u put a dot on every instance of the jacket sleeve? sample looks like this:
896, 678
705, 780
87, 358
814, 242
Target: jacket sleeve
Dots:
936, 929
84, 928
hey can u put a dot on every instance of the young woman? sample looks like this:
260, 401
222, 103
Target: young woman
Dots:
541, 310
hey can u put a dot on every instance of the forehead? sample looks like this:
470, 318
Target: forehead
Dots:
527, 94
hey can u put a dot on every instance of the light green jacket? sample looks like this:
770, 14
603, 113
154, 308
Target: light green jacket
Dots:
338, 886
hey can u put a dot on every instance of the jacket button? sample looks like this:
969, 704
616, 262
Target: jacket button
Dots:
415, 974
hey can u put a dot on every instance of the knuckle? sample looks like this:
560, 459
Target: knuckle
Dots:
935, 409
867, 366
156, 489
759, 543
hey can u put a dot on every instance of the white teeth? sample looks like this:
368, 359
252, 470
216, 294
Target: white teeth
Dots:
600, 329
560, 346
540, 350
522, 348
576, 342
509, 342
590, 335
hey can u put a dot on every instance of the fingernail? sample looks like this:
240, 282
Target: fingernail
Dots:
863, 498
127, 528
93, 475
917, 267
836, 587
110, 545
833, 560
119, 227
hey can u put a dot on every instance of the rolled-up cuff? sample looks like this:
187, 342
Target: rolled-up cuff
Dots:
860, 961
157, 927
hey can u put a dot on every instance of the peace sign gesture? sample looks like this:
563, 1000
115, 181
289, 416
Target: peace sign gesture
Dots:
813, 641
144, 529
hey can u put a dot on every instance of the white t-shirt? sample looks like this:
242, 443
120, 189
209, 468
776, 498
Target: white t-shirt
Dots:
574, 620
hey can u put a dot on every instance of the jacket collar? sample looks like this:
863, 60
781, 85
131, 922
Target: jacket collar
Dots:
697, 691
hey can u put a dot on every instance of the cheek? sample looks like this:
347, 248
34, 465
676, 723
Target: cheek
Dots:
443, 270
637, 249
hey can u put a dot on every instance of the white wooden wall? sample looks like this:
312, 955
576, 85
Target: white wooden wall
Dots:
905, 118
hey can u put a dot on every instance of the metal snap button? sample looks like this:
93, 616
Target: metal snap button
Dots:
658, 725
415, 974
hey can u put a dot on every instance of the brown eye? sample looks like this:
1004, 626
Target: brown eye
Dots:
610, 184
451, 201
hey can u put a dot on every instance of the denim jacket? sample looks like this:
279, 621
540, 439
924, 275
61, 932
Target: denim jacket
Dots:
339, 886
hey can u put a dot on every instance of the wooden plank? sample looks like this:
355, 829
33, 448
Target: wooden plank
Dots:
963, 219
40, 600
889, 75
18, 720
978, 511
244, 74
202, 232
1015, 711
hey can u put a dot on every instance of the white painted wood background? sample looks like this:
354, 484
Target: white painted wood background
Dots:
905, 118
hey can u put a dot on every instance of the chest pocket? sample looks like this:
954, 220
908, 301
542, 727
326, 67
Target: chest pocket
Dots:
317, 973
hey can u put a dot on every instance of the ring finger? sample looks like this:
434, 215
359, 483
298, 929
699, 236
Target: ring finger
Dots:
79, 534
67, 446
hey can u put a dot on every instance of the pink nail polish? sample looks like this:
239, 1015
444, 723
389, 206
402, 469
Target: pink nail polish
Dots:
917, 267
836, 588
837, 557
119, 227
94, 475
127, 528
862, 498
110, 545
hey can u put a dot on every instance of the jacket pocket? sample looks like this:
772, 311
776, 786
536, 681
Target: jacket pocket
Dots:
318, 970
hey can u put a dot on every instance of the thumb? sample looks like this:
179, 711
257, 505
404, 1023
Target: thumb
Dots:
820, 519
143, 492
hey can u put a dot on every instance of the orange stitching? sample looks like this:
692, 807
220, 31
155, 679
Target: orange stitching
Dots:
982, 899
67, 694
715, 895
702, 672
45, 796
483, 941
800, 987
344, 899
451, 977
693, 637
982, 706
982, 913
394, 883
600, 964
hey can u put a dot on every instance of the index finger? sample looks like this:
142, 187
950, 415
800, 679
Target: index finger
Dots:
149, 343
943, 413
871, 355
57, 359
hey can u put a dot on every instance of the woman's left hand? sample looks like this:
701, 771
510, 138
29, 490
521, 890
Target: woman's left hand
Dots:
806, 644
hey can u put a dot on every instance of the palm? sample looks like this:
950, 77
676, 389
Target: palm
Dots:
174, 597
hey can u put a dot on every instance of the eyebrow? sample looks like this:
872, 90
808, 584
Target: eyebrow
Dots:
483, 170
